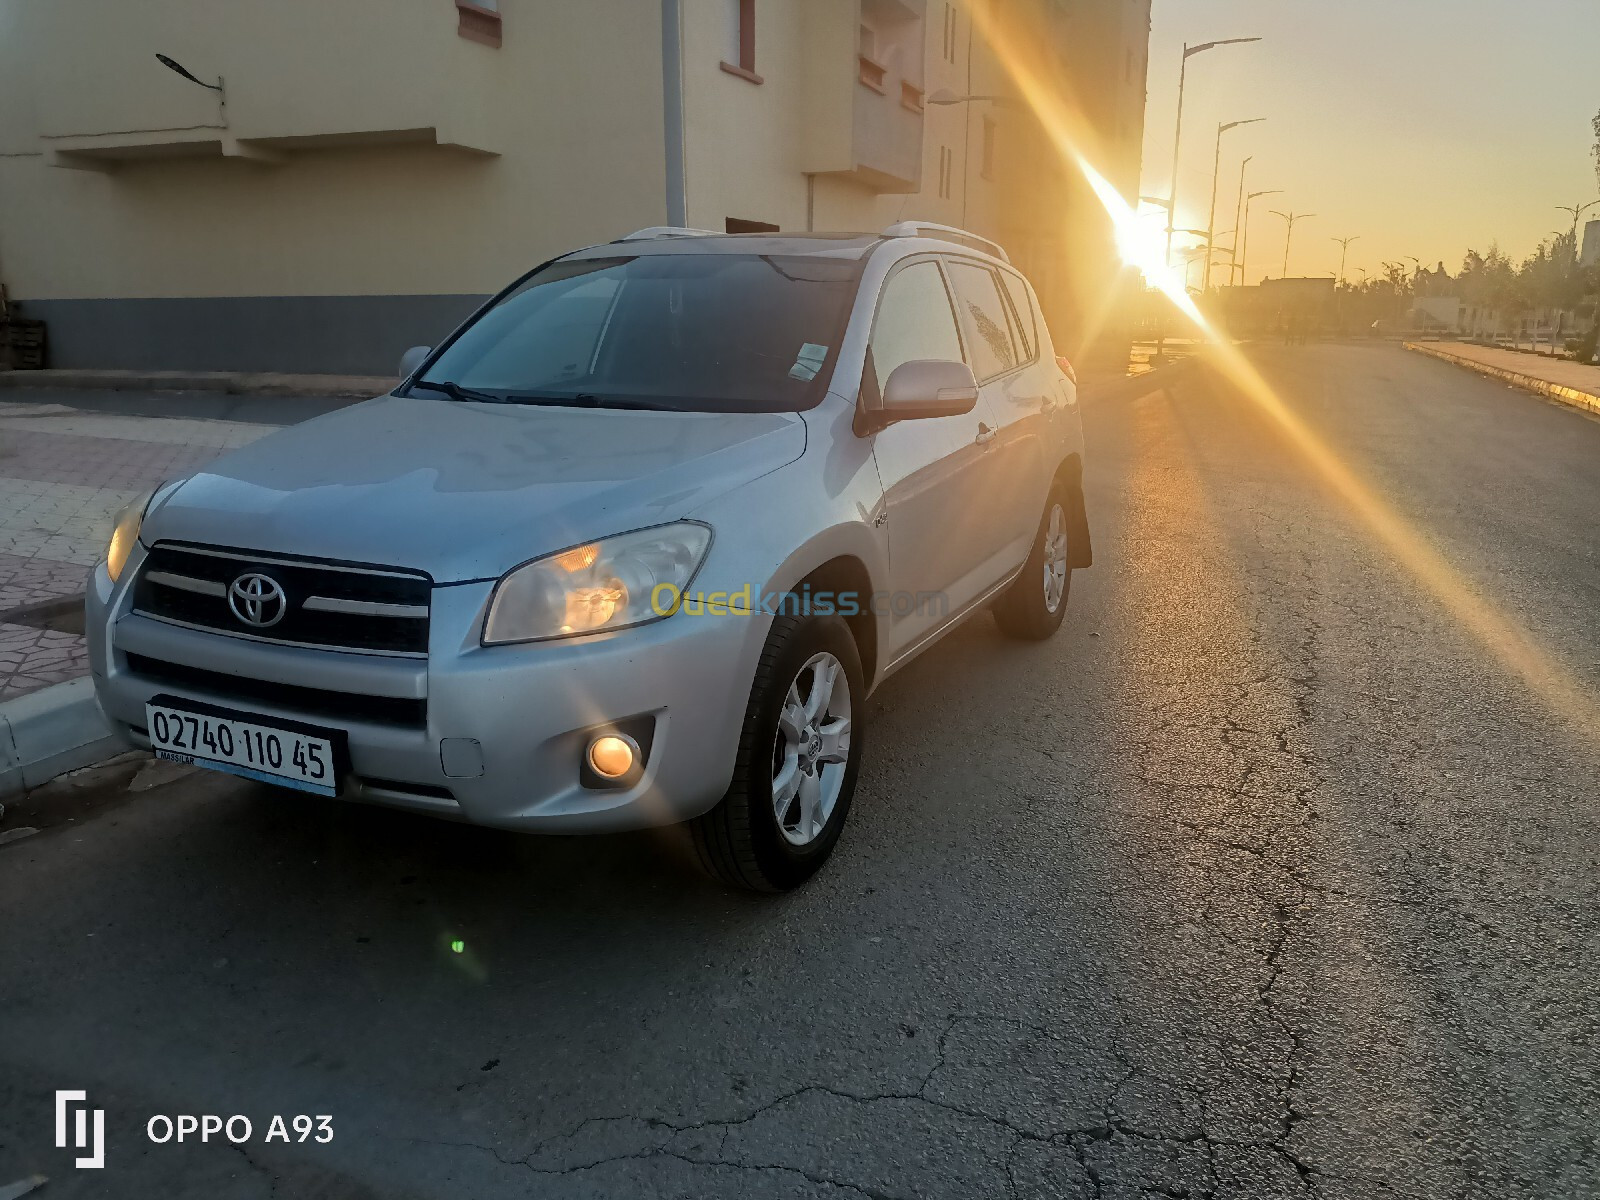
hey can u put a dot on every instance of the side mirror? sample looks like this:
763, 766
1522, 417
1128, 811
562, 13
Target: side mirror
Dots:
412, 359
928, 387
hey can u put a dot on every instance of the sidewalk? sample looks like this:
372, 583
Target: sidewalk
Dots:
64, 472
233, 383
1572, 383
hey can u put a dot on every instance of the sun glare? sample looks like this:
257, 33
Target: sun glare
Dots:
1063, 121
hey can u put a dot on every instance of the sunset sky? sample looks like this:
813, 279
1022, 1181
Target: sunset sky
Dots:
1424, 126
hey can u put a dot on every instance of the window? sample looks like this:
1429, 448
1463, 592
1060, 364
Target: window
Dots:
946, 170
914, 321
872, 72
993, 352
740, 40
479, 21
684, 332
741, 225
988, 148
950, 32
1022, 305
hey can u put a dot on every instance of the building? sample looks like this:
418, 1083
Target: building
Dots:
1590, 252
314, 186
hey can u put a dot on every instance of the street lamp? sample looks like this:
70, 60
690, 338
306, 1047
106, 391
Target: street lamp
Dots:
1577, 211
174, 65
1244, 235
1216, 170
1177, 137
1291, 218
1238, 221
1344, 250
942, 96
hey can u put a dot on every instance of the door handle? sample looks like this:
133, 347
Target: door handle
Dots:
985, 434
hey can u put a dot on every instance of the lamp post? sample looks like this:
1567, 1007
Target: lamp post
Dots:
1177, 136
1344, 250
1238, 221
1244, 235
1577, 211
1216, 170
1288, 237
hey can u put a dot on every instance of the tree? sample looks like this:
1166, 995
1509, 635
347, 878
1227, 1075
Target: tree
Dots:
1597, 147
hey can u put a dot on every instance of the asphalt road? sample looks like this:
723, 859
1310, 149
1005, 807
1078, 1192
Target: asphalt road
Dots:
1266, 878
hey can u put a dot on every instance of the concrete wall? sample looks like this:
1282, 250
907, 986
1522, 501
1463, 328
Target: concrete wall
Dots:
392, 230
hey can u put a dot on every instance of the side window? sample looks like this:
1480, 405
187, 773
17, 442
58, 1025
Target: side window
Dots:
914, 321
993, 351
1027, 322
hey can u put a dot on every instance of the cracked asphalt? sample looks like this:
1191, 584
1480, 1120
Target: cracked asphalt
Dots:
1265, 878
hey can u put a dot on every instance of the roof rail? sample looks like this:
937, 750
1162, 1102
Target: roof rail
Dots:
666, 231
947, 233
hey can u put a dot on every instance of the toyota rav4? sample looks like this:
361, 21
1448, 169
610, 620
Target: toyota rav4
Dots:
632, 547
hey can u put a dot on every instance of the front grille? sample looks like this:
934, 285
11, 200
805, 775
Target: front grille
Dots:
361, 608
315, 702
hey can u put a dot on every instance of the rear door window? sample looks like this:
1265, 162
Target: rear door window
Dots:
994, 352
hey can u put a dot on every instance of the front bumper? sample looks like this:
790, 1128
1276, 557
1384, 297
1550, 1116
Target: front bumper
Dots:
494, 736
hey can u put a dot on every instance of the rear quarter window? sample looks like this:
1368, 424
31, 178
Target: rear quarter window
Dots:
1027, 319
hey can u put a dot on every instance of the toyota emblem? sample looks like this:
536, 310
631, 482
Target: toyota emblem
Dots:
257, 600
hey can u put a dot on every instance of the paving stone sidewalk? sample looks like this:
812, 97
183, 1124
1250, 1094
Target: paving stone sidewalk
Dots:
63, 474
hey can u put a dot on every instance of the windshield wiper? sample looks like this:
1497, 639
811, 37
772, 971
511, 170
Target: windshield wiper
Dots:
456, 392
584, 400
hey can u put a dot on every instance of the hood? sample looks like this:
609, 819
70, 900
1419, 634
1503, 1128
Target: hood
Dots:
467, 491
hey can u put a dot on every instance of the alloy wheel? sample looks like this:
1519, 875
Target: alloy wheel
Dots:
812, 749
1055, 558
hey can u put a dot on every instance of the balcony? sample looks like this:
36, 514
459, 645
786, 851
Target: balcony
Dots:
267, 81
865, 91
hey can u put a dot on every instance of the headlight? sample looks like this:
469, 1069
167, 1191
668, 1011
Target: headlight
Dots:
124, 533
610, 584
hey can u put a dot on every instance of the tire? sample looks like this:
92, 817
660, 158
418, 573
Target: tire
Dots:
1032, 607
745, 841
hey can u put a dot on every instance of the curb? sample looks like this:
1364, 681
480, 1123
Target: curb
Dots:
56, 729
1586, 401
233, 383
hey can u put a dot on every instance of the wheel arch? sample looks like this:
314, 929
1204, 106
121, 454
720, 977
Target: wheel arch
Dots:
845, 573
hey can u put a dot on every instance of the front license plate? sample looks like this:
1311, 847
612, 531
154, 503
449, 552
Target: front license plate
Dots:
263, 748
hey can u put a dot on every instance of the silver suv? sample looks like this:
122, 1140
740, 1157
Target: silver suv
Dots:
631, 548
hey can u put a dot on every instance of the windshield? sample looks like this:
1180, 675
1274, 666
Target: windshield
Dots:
694, 332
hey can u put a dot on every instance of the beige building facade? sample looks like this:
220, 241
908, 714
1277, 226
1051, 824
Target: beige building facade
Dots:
314, 186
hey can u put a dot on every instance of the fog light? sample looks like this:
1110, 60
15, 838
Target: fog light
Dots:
611, 756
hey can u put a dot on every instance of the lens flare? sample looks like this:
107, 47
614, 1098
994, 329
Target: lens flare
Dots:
1073, 136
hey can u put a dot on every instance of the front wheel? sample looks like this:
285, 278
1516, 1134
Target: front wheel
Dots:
799, 751
1032, 607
